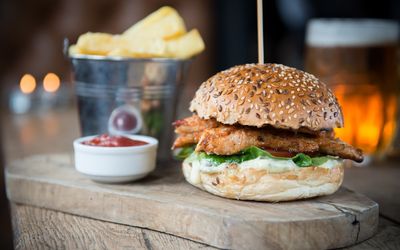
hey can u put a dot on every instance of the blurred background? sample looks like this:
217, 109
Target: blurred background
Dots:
31, 51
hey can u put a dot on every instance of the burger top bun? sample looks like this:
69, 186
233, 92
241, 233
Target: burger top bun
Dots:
268, 94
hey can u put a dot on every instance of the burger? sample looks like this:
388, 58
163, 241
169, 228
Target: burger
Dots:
263, 132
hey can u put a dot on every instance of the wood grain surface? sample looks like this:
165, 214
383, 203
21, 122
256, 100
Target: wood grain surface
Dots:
37, 228
166, 203
388, 237
380, 183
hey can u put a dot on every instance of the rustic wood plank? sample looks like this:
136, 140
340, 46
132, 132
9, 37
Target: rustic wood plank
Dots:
380, 183
387, 237
36, 228
166, 203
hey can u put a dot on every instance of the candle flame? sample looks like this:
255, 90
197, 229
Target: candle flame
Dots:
27, 84
51, 82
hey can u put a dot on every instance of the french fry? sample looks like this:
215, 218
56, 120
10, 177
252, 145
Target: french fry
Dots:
163, 23
141, 48
120, 52
155, 47
160, 34
96, 43
186, 45
74, 50
117, 45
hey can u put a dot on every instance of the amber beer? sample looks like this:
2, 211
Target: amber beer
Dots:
358, 60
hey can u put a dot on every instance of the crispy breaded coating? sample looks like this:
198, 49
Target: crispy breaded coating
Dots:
216, 138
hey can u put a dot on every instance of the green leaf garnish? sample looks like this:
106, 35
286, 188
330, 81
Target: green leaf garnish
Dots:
302, 160
316, 161
184, 152
251, 153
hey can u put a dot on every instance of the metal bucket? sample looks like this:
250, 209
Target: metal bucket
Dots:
144, 91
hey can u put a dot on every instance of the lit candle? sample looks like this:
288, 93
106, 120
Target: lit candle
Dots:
20, 101
49, 91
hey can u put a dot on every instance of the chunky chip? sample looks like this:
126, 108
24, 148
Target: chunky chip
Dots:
160, 34
164, 23
186, 45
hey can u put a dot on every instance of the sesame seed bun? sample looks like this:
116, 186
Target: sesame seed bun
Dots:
268, 94
256, 184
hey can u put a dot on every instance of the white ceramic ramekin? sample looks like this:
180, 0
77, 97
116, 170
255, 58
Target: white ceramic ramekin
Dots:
116, 164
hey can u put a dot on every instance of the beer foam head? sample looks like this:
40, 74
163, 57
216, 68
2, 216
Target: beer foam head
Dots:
351, 32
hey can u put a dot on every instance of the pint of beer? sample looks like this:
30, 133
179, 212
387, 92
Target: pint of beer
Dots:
357, 58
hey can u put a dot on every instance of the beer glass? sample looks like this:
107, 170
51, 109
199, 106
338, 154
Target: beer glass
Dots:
357, 58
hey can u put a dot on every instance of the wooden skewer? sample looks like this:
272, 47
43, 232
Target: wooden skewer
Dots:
260, 32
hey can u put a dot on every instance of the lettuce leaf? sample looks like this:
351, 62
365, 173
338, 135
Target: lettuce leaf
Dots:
301, 160
316, 161
185, 152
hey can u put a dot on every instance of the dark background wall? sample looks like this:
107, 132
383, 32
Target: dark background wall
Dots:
284, 26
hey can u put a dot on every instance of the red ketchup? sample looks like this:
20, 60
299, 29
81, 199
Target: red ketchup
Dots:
106, 140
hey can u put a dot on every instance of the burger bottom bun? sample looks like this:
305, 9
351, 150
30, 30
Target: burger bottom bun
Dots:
260, 185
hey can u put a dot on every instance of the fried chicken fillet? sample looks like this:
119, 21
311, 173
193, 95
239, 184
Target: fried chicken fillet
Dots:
213, 137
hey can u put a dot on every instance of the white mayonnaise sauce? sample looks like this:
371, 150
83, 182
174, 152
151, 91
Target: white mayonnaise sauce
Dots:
272, 165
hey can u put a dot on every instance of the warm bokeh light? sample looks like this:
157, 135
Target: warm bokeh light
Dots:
51, 82
27, 84
369, 115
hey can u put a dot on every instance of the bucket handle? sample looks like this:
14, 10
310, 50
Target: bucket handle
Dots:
65, 47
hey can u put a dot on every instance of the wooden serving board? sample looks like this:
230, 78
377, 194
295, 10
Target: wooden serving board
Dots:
166, 203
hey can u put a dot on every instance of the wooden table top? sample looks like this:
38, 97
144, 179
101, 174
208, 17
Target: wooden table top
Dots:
54, 132
51, 182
